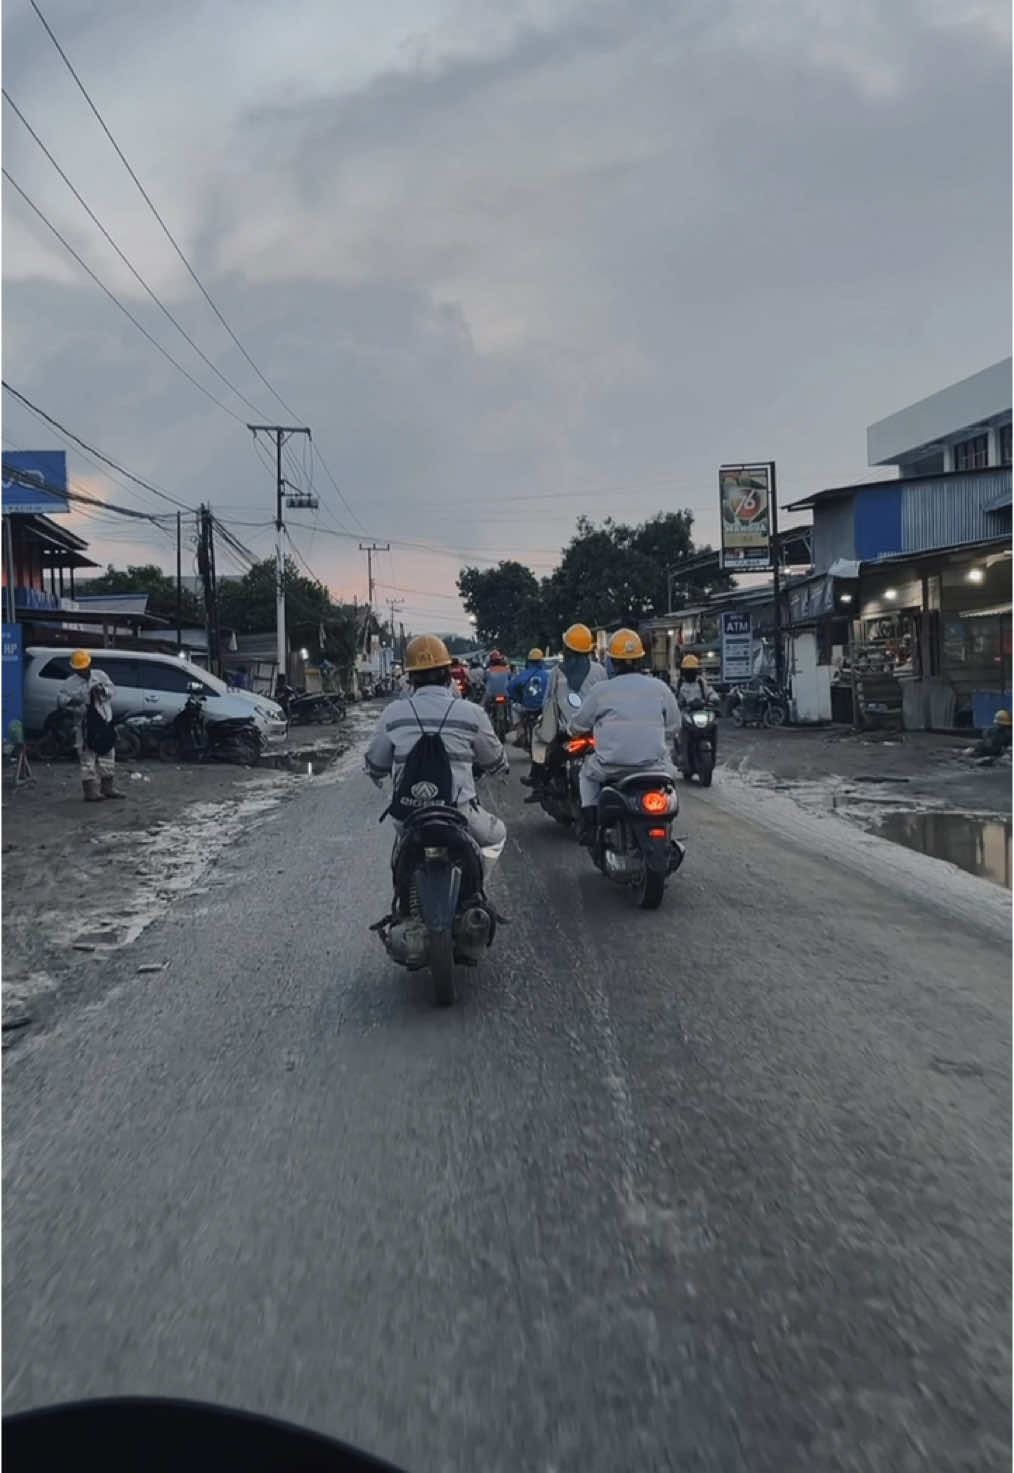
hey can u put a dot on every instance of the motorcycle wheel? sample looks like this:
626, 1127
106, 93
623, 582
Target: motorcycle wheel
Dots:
649, 889
774, 714
737, 715
169, 749
48, 747
247, 751
128, 744
705, 768
442, 968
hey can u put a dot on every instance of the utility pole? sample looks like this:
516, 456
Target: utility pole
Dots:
179, 581
395, 605
298, 499
776, 582
370, 548
206, 568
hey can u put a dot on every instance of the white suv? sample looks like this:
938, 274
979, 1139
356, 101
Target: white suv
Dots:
153, 685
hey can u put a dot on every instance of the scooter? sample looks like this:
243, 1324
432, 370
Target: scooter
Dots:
196, 739
697, 749
560, 793
500, 715
303, 707
439, 916
633, 844
60, 729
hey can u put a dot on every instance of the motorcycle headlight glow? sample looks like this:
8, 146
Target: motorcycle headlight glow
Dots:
701, 718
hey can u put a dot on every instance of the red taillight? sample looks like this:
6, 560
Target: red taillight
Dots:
656, 833
655, 803
580, 744
500, 700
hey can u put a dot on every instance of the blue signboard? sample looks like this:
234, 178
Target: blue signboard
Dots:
13, 683
35, 481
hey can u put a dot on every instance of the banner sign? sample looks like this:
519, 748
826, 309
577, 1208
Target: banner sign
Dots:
13, 683
745, 497
737, 646
35, 481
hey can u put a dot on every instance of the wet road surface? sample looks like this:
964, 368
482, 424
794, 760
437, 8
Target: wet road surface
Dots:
720, 1187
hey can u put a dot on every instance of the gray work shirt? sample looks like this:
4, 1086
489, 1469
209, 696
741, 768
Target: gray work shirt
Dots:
465, 730
634, 719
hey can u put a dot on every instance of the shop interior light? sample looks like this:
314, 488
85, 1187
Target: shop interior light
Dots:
890, 593
304, 654
975, 575
845, 598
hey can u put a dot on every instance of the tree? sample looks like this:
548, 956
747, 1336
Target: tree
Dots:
505, 602
666, 540
247, 604
149, 579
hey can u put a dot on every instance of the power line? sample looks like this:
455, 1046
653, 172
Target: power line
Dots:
149, 202
125, 259
115, 299
55, 423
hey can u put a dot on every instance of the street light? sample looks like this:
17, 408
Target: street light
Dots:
891, 593
975, 575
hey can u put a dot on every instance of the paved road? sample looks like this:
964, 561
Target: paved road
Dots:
722, 1187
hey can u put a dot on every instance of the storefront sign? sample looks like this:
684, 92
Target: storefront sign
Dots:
35, 481
745, 499
13, 683
737, 646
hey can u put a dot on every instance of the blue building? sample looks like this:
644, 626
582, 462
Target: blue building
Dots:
912, 573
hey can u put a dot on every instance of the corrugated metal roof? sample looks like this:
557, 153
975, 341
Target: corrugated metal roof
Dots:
940, 513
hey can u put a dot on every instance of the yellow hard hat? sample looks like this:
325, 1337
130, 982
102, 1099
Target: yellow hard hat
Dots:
536, 654
1002, 718
579, 639
80, 660
626, 645
426, 652
690, 662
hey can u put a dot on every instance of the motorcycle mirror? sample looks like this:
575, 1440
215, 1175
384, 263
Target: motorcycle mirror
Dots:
573, 699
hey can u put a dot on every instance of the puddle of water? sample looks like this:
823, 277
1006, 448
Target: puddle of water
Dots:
982, 846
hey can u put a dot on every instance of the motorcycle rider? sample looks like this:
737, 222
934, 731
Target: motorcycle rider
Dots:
86, 687
996, 739
476, 679
633, 719
528, 687
690, 688
466, 733
577, 673
459, 676
497, 679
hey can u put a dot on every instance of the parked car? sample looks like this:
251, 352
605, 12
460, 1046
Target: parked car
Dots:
153, 684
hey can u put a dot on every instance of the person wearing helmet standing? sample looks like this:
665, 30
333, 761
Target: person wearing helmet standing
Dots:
576, 674
88, 694
633, 719
691, 688
434, 707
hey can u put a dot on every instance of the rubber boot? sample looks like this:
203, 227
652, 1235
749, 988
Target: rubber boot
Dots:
91, 790
110, 790
587, 826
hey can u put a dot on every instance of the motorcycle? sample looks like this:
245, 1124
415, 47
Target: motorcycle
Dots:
633, 844
163, 1434
303, 707
560, 793
761, 703
194, 738
60, 728
500, 715
699, 742
439, 915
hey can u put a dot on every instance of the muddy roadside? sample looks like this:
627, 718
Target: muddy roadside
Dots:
920, 768
81, 880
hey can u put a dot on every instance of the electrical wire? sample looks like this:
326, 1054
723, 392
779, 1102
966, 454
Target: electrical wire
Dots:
149, 202
126, 260
107, 460
115, 299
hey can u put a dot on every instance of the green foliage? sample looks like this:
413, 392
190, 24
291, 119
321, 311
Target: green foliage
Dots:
505, 602
159, 586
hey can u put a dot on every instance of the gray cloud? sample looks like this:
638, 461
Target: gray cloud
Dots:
491, 255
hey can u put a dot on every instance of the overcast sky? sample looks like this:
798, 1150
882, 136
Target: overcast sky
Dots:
575, 252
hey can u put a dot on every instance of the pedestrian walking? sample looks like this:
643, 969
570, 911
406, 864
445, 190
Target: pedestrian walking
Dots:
88, 694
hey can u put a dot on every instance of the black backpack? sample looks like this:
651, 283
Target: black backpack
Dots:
98, 733
426, 777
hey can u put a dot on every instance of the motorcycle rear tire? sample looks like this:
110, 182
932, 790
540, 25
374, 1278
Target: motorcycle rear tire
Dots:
649, 889
169, 749
128, 744
737, 715
774, 714
48, 747
705, 769
441, 953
